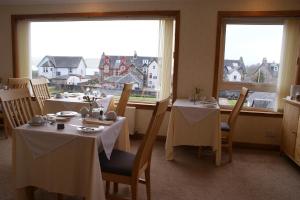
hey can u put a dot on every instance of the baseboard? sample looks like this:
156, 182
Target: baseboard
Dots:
273, 147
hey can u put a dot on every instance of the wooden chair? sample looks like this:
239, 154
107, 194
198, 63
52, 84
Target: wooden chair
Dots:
15, 83
125, 167
121, 107
227, 128
40, 91
18, 109
17, 106
3, 124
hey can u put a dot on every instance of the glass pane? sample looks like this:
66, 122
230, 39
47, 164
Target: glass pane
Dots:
97, 56
262, 100
252, 53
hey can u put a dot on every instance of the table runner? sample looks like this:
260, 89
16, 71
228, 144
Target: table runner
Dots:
194, 112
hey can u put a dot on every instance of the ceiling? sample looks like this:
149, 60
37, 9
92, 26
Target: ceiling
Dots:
32, 2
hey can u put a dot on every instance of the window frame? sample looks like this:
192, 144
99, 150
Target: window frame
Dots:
175, 14
245, 17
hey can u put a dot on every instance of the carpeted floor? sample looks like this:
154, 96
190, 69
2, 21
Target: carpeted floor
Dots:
253, 174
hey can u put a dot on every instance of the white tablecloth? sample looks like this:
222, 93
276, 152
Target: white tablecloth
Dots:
65, 161
194, 124
54, 105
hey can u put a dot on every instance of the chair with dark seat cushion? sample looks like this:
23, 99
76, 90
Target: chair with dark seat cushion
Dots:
127, 168
120, 162
227, 128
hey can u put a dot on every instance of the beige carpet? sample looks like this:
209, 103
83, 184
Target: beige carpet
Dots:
253, 175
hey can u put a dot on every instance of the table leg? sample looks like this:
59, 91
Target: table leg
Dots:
169, 153
218, 157
26, 193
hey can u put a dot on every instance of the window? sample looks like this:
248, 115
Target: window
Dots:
155, 43
150, 75
70, 70
251, 58
106, 69
145, 61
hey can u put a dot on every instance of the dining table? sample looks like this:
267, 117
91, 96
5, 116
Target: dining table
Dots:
76, 101
195, 124
65, 161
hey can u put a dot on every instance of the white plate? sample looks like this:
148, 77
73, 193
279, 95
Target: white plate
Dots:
66, 114
90, 129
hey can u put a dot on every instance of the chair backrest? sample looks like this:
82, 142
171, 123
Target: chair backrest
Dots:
17, 106
15, 83
121, 107
40, 91
143, 156
238, 106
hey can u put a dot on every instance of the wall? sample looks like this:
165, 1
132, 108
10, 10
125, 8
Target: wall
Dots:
196, 52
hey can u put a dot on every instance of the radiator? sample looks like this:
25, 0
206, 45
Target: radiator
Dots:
130, 115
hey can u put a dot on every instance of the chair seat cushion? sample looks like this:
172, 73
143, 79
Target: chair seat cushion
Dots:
225, 126
120, 162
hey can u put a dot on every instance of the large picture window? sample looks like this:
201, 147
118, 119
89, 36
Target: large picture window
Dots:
251, 59
260, 51
98, 54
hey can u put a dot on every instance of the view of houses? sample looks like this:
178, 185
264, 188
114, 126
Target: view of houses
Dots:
72, 73
110, 72
264, 72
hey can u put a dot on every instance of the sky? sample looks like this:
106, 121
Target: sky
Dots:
90, 38
122, 37
253, 43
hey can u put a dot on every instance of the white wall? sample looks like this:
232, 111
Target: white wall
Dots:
196, 52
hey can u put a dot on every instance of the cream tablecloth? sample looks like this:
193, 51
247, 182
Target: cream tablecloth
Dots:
54, 105
194, 124
65, 161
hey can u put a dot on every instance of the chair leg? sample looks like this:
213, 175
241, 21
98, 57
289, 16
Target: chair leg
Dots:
134, 190
30, 192
60, 197
6, 128
116, 187
148, 184
230, 152
107, 187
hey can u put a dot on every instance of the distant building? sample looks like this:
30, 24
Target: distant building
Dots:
141, 70
234, 70
264, 72
56, 66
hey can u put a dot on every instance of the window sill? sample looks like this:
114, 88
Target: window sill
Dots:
151, 106
255, 113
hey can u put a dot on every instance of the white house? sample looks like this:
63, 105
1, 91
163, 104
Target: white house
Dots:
55, 66
152, 80
234, 75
